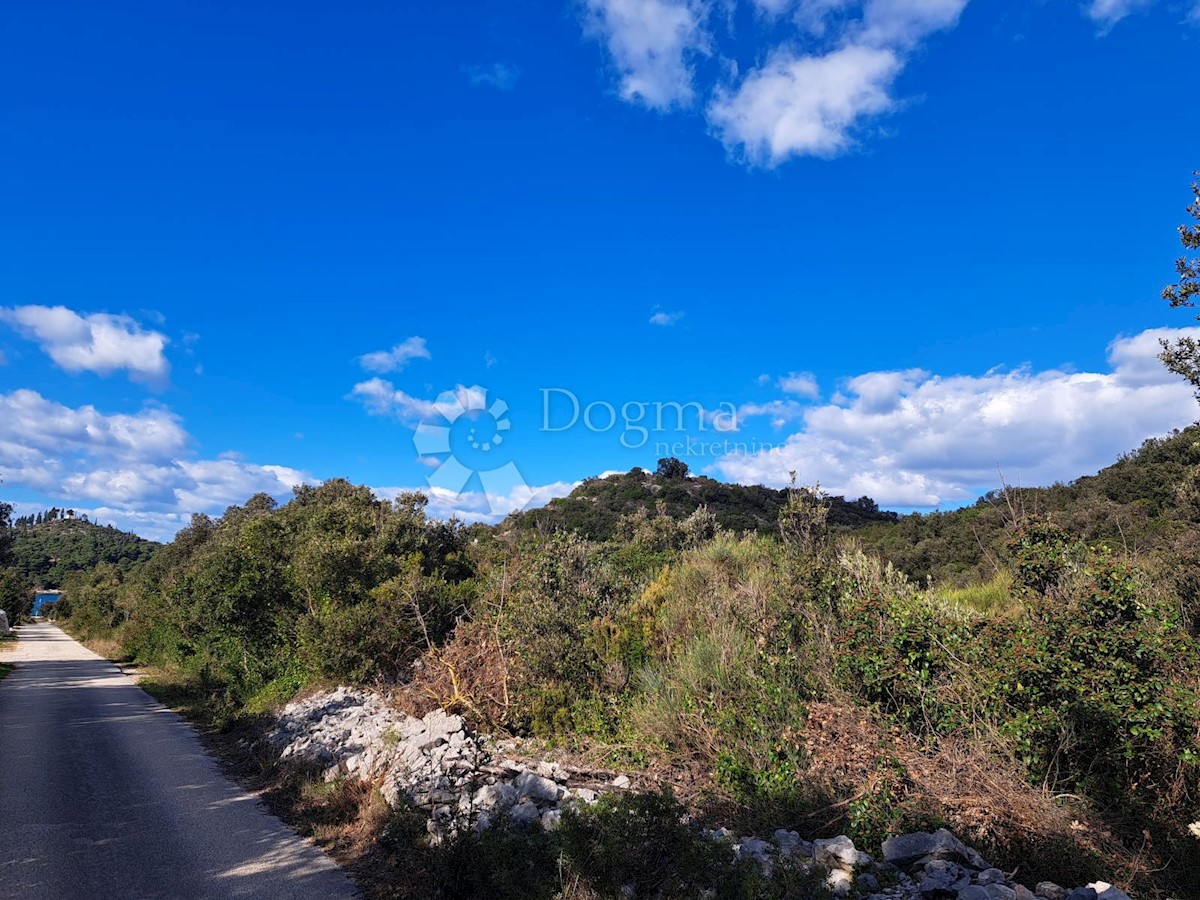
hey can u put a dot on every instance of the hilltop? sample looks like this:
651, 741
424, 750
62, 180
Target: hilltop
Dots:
46, 552
594, 509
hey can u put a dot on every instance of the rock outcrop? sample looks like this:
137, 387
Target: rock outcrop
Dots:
438, 764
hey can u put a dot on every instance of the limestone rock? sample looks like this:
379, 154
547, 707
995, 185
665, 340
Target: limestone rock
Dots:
536, 787
837, 853
840, 882
906, 849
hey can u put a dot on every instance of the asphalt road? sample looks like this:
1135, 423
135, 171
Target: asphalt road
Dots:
106, 793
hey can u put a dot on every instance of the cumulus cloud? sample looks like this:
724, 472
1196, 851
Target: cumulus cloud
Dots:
799, 105
475, 506
665, 318
817, 88
384, 361
914, 439
802, 384
501, 76
135, 467
652, 44
813, 103
99, 343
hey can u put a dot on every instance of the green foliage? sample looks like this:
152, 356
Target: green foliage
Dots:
92, 600
334, 585
596, 508
1090, 681
16, 594
47, 553
1182, 356
6, 533
670, 467
504, 862
643, 843
1137, 504
729, 670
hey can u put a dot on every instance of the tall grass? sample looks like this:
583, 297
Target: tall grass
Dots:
994, 598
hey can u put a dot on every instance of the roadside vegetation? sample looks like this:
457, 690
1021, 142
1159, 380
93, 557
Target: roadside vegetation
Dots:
1032, 686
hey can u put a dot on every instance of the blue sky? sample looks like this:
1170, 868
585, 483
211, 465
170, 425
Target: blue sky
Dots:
892, 246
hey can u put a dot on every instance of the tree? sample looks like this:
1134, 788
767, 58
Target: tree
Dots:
670, 467
1183, 355
6, 536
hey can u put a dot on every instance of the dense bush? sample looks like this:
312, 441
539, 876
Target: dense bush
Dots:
334, 585
1090, 684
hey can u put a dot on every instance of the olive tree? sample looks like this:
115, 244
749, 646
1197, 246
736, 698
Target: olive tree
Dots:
1182, 356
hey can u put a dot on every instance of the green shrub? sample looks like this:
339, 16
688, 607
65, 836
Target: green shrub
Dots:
644, 842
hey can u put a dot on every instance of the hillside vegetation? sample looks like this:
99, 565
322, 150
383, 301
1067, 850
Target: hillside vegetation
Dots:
1139, 506
47, 552
1038, 695
596, 508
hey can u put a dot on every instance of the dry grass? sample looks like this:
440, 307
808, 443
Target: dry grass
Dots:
976, 790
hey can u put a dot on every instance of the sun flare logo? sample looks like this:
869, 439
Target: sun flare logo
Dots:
471, 437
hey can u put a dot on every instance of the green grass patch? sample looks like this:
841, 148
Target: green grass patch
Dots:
989, 598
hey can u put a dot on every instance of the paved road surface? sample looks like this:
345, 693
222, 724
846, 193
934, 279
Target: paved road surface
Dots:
105, 793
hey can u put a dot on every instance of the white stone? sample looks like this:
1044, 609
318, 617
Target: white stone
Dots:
840, 882
524, 813
536, 787
836, 853
492, 796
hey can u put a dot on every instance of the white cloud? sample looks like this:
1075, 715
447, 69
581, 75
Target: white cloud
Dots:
914, 439
812, 103
475, 506
1107, 13
798, 105
903, 23
811, 92
802, 384
397, 358
382, 398
99, 342
134, 466
816, 88
780, 412
665, 318
652, 43
501, 76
